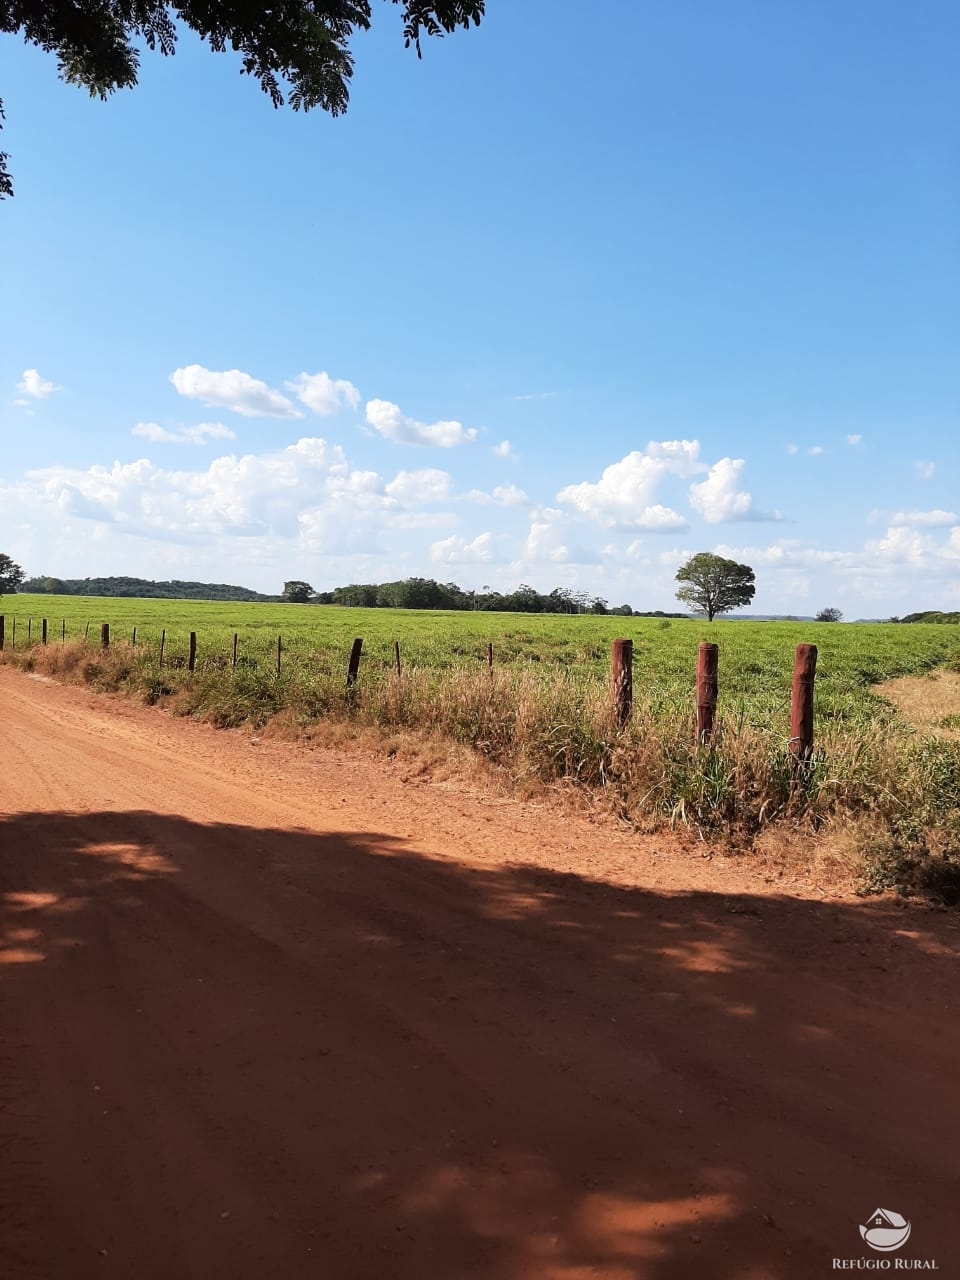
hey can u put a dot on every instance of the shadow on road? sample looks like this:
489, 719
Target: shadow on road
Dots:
251, 1053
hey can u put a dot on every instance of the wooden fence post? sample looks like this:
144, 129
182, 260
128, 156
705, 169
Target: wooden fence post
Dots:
353, 670
2, 624
278, 654
490, 656
707, 660
234, 651
86, 631
13, 638
396, 657
163, 641
43, 632
621, 680
105, 635
63, 630
192, 659
134, 640
801, 705
29, 626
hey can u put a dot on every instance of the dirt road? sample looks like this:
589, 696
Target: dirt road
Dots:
269, 1012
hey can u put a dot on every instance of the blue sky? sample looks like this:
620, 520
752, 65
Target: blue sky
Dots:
560, 304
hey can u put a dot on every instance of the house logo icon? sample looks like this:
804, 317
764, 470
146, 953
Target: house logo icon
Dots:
885, 1230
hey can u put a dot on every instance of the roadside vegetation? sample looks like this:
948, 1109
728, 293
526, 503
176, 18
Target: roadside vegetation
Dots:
883, 791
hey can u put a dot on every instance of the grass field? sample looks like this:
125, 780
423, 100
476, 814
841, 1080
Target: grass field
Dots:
544, 716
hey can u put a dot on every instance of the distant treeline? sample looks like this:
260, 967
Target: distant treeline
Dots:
425, 593
932, 615
140, 588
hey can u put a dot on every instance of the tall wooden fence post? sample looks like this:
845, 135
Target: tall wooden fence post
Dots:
63, 630
2, 624
134, 640
621, 680
396, 657
707, 687
192, 658
13, 638
279, 647
105, 635
490, 656
86, 631
353, 669
163, 641
29, 626
235, 651
43, 632
801, 705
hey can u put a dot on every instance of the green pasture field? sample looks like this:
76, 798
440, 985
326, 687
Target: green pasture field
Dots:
756, 658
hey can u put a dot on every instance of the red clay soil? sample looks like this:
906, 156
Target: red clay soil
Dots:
273, 1012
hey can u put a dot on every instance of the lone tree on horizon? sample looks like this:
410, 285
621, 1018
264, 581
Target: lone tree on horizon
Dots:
712, 584
297, 592
11, 575
829, 615
297, 47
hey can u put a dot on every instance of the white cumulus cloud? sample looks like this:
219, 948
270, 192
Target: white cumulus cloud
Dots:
388, 421
322, 394
502, 495
199, 434
34, 387
719, 498
503, 450
925, 519
428, 485
623, 496
457, 550
232, 389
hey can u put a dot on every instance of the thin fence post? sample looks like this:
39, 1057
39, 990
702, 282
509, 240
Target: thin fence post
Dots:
192, 659
105, 635
63, 630
2, 624
396, 657
86, 631
279, 648
43, 632
801, 703
353, 669
234, 651
621, 680
707, 661
134, 640
490, 656
29, 625
13, 638
163, 641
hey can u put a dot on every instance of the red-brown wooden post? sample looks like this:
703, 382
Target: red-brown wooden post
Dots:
396, 657
105, 635
353, 669
163, 641
801, 707
707, 686
621, 680
43, 632
490, 656
192, 656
